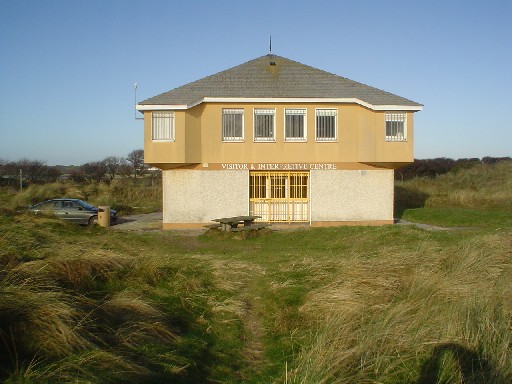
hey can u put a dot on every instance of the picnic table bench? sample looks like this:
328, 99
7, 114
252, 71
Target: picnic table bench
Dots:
231, 224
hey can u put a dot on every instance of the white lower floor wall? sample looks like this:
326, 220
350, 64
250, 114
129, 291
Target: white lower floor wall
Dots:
352, 196
194, 196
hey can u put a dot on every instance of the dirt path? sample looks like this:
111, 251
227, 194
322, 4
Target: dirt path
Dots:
427, 227
242, 281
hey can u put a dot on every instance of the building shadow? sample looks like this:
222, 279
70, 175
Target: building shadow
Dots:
473, 368
408, 199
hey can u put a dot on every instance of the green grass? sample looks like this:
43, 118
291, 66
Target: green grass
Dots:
460, 217
389, 304
480, 196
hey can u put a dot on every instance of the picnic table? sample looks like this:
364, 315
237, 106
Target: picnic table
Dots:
231, 224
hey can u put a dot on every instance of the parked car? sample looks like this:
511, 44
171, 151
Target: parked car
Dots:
73, 210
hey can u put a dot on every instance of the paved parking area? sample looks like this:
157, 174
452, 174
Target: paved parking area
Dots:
142, 222
153, 222
149, 222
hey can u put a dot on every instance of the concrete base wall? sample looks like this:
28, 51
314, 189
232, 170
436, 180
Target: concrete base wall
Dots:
192, 196
195, 197
351, 196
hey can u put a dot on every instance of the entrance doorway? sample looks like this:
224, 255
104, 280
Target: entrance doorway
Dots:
279, 196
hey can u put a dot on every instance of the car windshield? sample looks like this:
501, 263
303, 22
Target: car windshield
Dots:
85, 205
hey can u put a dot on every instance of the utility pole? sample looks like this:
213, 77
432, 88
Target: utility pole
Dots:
21, 180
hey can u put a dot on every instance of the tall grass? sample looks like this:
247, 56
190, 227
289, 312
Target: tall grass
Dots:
126, 195
429, 316
481, 186
79, 305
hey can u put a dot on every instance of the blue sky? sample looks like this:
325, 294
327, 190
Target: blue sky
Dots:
67, 68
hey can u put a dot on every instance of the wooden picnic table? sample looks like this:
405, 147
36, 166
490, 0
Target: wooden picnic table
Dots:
229, 223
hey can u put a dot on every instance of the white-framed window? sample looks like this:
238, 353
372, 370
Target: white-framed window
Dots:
264, 125
232, 125
162, 126
326, 124
295, 125
396, 126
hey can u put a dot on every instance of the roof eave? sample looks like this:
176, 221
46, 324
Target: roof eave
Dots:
173, 107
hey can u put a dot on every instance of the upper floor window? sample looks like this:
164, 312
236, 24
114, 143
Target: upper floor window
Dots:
326, 124
396, 126
295, 125
264, 120
232, 125
162, 126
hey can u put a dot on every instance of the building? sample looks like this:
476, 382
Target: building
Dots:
279, 139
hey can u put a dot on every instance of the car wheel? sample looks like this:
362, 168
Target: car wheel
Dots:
93, 220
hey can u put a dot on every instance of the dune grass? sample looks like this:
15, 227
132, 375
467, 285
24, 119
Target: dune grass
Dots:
467, 197
87, 305
433, 313
128, 196
390, 304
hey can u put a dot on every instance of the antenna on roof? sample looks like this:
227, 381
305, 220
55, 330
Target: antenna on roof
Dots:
272, 62
135, 110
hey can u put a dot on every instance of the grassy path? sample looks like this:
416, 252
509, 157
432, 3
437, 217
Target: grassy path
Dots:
240, 303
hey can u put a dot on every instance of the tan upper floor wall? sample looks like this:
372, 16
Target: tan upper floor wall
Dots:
198, 137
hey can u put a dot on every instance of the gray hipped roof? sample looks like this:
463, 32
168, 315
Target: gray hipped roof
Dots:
285, 79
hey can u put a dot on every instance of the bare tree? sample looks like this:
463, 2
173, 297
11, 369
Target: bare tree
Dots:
113, 164
125, 169
94, 171
136, 159
77, 175
33, 171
